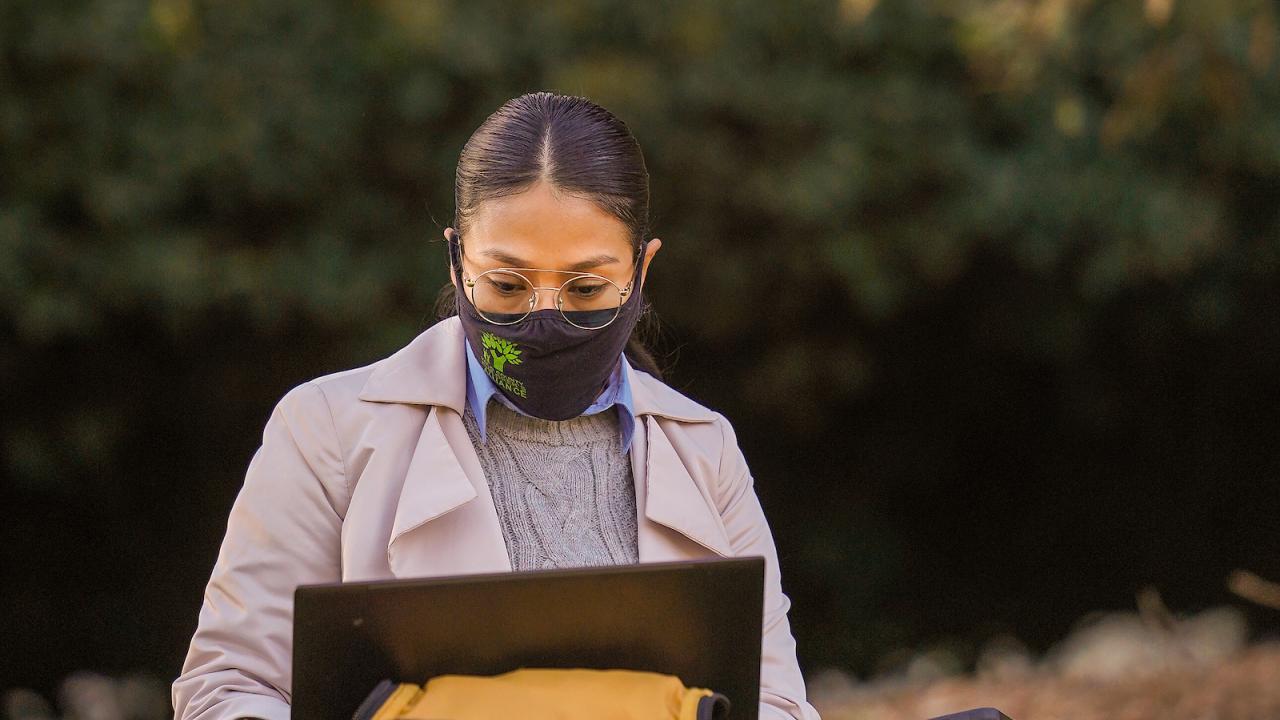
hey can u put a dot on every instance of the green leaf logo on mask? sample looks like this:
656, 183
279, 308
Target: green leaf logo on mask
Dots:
499, 352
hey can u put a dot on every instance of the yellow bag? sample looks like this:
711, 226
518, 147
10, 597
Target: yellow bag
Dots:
554, 694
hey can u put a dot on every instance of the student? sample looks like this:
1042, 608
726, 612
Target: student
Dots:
527, 429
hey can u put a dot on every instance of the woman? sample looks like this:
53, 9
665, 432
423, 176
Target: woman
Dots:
527, 429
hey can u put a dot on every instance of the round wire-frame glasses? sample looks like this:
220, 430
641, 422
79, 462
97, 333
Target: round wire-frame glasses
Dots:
506, 296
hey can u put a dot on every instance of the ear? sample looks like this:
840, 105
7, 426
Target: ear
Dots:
649, 251
449, 235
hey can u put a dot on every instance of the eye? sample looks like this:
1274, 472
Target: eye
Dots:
505, 284
587, 290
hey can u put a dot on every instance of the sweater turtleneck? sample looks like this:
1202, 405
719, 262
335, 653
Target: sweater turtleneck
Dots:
563, 489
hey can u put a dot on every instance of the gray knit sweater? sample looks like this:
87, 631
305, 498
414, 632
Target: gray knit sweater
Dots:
563, 489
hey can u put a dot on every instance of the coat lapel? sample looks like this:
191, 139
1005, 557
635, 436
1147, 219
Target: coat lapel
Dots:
445, 522
678, 519
674, 514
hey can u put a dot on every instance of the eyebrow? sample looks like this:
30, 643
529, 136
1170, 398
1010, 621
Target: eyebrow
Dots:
513, 261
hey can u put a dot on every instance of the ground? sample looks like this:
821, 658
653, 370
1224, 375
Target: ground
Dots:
1241, 683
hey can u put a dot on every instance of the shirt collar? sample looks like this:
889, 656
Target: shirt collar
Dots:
480, 388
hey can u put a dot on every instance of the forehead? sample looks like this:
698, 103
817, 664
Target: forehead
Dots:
548, 228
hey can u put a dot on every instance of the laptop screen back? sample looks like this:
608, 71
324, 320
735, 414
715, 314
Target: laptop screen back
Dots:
699, 620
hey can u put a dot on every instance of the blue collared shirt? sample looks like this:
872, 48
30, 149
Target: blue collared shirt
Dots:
617, 392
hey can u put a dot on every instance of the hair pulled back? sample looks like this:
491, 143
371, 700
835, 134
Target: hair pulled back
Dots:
579, 148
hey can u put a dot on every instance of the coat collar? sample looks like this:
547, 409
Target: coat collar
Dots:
431, 370
445, 506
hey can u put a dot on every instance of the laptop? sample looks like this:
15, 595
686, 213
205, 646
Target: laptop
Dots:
699, 620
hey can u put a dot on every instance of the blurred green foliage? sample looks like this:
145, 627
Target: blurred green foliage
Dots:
872, 204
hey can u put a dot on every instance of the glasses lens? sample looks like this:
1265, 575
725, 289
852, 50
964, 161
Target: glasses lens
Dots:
590, 301
501, 297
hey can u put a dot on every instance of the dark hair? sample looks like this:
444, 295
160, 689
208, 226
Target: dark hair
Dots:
576, 146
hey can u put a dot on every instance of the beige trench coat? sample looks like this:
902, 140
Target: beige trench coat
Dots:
369, 474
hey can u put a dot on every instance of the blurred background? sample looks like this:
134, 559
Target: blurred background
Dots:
1008, 270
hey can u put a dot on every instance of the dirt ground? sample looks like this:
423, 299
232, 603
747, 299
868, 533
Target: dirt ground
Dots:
1243, 685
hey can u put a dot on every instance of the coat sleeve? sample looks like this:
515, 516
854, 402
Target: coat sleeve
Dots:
283, 531
782, 688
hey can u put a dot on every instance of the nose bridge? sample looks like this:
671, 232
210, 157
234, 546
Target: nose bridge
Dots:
546, 297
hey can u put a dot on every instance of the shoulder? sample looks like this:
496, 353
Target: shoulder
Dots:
323, 397
428, 370
336, 408
335, 389
652, 396
690, 425
315, 417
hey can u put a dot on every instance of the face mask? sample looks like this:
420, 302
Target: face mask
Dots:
545, 366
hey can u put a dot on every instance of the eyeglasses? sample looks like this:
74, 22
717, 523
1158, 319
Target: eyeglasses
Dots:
506, 296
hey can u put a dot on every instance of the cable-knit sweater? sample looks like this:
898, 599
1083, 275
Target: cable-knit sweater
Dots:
563, 489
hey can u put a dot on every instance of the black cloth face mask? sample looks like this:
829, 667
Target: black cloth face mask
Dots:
545, 366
